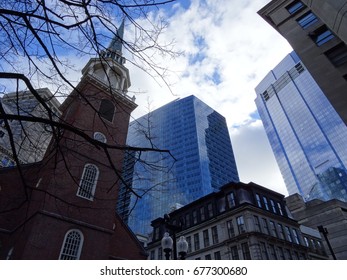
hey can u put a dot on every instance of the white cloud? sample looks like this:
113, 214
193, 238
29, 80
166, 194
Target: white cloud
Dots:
242, 48
227, 49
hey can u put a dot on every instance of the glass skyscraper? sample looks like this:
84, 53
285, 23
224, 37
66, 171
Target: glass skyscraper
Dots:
201, 161
306, 134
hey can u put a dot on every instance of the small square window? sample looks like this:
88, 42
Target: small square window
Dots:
307, 20
295, 7
337, 55
322, 35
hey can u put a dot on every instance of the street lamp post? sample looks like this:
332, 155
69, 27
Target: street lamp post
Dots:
324, 231
182, 245
169, 244
166, 244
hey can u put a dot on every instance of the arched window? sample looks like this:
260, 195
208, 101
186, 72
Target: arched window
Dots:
107, 109
88, 181
72, 245
100, 137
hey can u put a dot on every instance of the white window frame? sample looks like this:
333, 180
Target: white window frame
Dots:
241, 224
215, 235
89, 194
78, 244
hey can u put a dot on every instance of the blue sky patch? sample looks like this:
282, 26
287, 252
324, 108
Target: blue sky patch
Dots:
216, 78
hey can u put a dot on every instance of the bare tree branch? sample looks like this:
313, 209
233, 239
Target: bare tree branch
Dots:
36, 35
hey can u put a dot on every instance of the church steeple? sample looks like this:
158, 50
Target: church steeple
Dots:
114, 50
109, 67
117, 41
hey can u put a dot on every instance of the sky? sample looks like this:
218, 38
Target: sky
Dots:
227, 49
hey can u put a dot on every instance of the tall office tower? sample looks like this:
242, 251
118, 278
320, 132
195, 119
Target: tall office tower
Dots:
201, 161
317, 31
31, 139
307, 136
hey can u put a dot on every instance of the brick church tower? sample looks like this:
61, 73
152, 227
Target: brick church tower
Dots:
64, 207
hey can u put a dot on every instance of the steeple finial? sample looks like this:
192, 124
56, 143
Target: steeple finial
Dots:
117, 41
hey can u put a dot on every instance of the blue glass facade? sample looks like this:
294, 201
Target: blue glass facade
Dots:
306, 134
202, 160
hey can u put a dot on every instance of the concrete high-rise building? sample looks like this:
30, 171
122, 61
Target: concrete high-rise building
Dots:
201, 160
330, 215
317, 31
306, 134
31, 139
